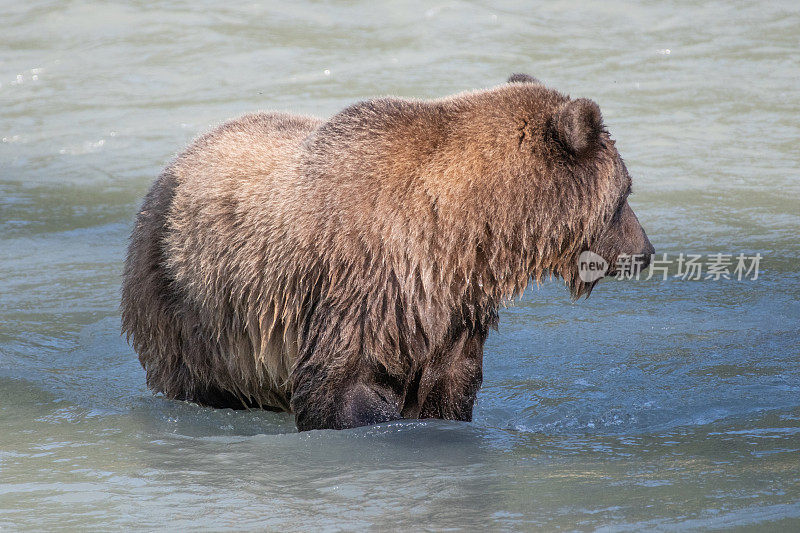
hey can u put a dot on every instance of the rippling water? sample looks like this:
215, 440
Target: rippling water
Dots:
653, 405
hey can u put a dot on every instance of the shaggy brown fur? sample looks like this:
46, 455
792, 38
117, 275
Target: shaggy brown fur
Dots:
349, 270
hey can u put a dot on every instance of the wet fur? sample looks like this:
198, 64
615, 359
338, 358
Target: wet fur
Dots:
349, 270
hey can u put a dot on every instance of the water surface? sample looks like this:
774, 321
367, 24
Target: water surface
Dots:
653, 405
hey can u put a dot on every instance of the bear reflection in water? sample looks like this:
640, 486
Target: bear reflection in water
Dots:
349, 270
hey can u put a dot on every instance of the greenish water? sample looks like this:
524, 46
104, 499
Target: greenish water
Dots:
653, 405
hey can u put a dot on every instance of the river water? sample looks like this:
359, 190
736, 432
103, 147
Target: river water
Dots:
656, 404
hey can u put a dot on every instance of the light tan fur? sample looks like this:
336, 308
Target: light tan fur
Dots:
278, 241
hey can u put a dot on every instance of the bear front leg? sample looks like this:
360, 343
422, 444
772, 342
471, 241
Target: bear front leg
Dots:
451, 383
324, 400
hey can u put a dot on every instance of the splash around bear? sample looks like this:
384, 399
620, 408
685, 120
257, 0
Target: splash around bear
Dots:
349, 270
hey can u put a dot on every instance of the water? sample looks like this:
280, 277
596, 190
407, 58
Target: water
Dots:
653, 405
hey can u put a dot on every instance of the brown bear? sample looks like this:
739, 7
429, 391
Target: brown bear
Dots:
349, 270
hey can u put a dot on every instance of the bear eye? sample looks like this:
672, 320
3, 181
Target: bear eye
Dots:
621, 203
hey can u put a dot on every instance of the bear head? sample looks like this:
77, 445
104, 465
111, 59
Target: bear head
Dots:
577, 184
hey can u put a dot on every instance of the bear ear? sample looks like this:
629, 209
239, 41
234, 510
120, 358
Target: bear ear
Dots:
578, 125
522, 78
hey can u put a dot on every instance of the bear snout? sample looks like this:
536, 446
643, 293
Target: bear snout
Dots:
647, 252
